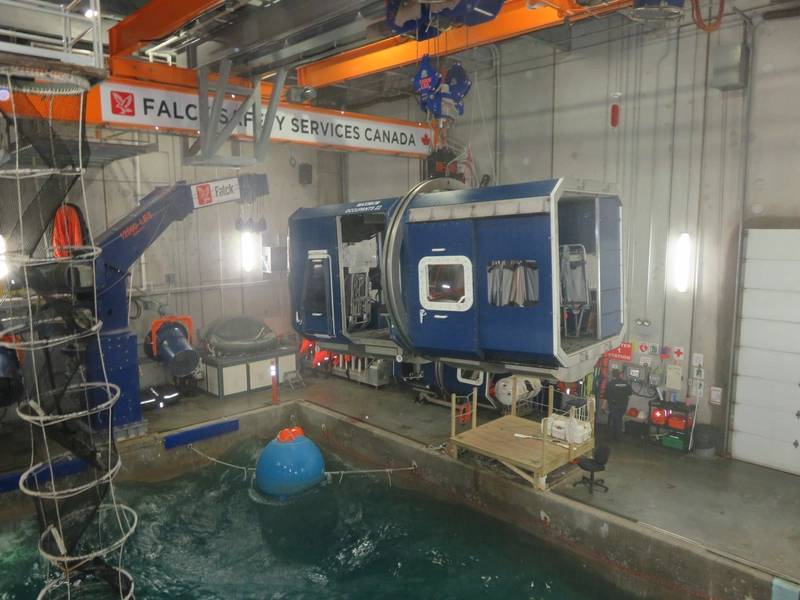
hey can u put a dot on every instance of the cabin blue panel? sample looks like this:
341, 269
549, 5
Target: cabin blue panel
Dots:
318, 319
531, 189
316, 229
326, 211
610, 251
612, 307
307, 233
439, 332
515, 332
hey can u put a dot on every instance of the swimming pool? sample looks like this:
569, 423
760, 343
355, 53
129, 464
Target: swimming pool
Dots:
202, 536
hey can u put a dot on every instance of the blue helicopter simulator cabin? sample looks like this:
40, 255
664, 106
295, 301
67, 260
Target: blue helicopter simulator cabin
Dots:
515, 277
335, 276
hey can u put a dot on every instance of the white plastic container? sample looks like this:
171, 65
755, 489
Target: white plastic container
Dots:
578, 432
557, 428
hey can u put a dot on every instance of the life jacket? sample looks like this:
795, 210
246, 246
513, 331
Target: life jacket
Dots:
67, 230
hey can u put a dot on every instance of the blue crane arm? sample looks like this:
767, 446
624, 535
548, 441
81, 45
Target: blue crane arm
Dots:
115, 355
125, 241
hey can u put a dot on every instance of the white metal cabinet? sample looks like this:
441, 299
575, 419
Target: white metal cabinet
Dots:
766, 408
227, 380
259, 372
286, 364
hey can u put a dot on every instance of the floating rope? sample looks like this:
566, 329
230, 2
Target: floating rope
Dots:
388, 471
222, 462
328, 474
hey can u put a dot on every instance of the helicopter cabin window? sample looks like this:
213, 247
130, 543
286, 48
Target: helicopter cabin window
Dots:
470, 376
445, 283
513, 282
315, 290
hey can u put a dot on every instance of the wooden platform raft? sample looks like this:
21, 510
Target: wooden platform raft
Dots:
522, 445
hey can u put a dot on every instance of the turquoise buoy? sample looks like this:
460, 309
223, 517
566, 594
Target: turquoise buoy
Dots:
289, 464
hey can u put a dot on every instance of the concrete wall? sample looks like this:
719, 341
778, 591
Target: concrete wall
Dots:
373, 176
678, 156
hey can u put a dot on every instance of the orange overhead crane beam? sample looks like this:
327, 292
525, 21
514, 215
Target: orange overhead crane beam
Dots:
514, 19
155, 20
166, 75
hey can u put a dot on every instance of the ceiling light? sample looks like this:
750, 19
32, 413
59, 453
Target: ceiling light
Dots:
90, 13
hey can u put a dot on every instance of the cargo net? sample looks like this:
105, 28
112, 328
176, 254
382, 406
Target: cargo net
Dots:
48, 328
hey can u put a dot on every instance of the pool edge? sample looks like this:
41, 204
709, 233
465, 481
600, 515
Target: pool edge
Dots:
634, 557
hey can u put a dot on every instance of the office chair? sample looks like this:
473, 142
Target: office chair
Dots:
594, 465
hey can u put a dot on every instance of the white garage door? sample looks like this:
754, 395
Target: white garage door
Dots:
766, 409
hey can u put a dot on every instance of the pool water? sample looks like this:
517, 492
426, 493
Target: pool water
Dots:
202, 536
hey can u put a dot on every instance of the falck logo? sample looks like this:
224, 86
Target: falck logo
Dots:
204, 194
122, 104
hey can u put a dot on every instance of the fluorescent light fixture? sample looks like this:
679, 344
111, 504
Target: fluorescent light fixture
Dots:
171, 396
250, 250
3, 263
90, 13
681, 262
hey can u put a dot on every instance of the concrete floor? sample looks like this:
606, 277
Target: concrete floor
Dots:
742, 511
390, 408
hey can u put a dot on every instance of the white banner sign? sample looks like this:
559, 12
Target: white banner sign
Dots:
215, 192
135, 105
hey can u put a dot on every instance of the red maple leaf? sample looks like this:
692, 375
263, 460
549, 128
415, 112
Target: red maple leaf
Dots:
426, 139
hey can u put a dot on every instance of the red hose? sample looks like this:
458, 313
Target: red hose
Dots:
697, 16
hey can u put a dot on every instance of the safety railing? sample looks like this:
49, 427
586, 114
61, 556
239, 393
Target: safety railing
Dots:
70, 33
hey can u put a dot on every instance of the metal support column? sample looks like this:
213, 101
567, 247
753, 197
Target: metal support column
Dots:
213, 133
262, 140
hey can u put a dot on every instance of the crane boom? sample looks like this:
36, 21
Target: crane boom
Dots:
122, 244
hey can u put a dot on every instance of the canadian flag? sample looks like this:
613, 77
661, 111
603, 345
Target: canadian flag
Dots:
122, 104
